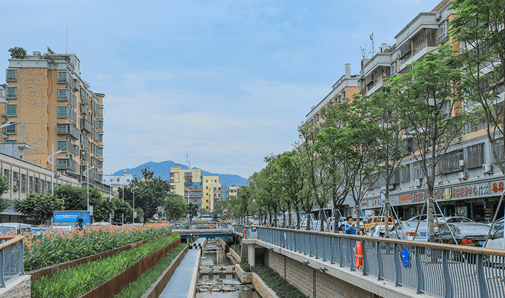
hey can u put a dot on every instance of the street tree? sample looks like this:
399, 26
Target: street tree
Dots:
431, 96
175, 207
478, 27
39, 206
4, 186
192, 211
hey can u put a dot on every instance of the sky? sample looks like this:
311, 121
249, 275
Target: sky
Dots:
224, 82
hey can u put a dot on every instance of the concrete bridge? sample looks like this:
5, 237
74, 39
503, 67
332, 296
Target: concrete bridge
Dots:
324, 264
207, 230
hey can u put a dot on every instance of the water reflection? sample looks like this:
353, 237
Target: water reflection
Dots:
229, 295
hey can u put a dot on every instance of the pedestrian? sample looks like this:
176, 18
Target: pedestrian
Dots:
349, 227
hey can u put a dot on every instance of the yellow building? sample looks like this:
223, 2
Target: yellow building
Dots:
187, 183
211, 192
56, 110
233, 191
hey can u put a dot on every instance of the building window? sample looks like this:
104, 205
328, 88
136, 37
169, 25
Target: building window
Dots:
11, 92
30, 185
475, 156
100, 151
7, 174
15, 180
11, 75
450, 162
418, 171
10, 141
37, 185
100, 124
11, 110
172, 180
442, 31
62, 94
62, 77
62, 111
23, 183
405, 173
62, 145
100, 138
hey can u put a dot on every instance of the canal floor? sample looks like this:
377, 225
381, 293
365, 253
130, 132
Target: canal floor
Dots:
180, 283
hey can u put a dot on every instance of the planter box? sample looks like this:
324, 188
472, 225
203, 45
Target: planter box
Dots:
116, 284
38, 273
261, 287
245, 277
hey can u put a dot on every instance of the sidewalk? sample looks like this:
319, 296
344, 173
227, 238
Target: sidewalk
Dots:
179, 284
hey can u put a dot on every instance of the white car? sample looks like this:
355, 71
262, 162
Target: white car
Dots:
496, 241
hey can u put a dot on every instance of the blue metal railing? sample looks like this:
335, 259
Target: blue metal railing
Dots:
442, 270
11, 258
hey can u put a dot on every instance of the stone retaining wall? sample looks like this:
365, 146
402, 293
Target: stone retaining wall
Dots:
245, 277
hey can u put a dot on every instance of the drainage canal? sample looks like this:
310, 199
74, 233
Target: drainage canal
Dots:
217, 277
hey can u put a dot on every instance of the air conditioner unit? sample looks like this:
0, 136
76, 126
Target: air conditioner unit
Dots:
392, 186
487, 168
461, 163
439, 16
419, 182
463, 176
15, 188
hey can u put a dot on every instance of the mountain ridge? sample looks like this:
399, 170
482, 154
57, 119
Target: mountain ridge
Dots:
162, 169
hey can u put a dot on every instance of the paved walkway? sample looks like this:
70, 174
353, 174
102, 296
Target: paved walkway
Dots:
178, 286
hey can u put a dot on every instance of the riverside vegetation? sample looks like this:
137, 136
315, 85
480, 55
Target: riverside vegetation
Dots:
78, 280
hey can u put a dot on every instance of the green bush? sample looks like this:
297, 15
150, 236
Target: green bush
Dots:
138, 288
245, 266
78, 280
236, 248
280, 286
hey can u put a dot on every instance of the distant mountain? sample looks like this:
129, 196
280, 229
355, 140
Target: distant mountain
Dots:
162, 169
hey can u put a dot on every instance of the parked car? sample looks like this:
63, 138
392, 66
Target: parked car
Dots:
406, 230
496, 240
438, 218
466, 233
453, 219
377, 220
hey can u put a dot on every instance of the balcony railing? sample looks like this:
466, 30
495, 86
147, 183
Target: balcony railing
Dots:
85, 125
67, 164
67, 129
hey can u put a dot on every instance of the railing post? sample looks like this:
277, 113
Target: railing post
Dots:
351, 254
481, 278
21, 255
365, 263
380, 272
420, 275
341, 260
2, 282
445, 271
398, 268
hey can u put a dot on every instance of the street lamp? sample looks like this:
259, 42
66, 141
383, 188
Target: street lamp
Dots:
9, 123
133, 217
188, 194
52, 165
87, 177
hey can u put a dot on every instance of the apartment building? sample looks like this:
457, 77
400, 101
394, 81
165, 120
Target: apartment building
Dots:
233, 191
55, 109
468, 180
118, 181
212, 192
345, 87
187, 183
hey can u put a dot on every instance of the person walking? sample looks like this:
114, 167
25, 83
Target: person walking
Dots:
349, 227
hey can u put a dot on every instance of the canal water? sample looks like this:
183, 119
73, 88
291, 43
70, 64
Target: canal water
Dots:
217, 277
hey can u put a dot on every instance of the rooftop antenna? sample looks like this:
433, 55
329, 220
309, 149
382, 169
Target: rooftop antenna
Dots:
372, 48
188, 162
66, 31
363, 52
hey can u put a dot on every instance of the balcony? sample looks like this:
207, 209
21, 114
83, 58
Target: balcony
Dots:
84, 109
63, 77
85, 125
188, 182
67, 129
66, 164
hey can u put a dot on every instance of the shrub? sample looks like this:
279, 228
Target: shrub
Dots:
245, 266
78, 280
280, 286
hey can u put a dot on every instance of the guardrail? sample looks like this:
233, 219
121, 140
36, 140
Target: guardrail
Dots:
238, 228
200, 226
442, 270
11, 258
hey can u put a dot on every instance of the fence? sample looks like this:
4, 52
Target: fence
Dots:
441, 270
11, 258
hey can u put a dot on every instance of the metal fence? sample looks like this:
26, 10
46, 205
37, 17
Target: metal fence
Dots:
441, 270
11, 258
238, 228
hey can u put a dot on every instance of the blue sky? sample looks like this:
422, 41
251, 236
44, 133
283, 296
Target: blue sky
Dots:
226, 82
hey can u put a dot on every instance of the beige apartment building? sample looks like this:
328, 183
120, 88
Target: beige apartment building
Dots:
187, 183
55, 109
211, 192
233, 191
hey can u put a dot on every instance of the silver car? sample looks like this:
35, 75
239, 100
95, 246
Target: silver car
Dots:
496, 241
466, 233
406, 230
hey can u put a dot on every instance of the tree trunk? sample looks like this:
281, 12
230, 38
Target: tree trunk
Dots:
321, 219
386, 211
298, 218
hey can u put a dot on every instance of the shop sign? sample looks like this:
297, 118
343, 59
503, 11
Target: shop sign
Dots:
376, 202
405, 199
364, 204
497, 186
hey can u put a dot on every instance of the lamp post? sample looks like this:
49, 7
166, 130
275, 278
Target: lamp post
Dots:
188, 194
133, 217
87, 177
52, 165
